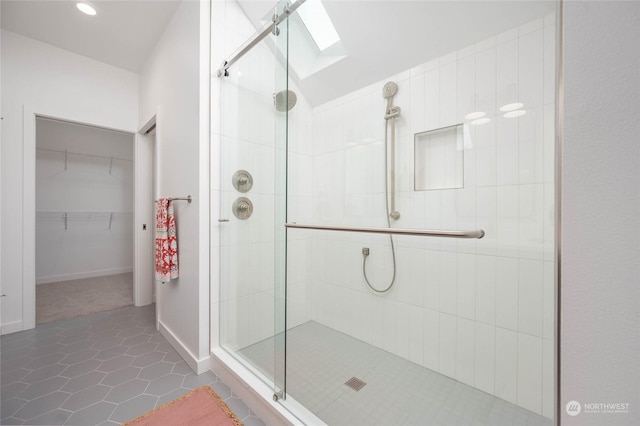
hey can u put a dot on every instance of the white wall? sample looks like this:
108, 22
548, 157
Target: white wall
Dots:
54, 82
170, 88
600, 282
96, 183
478, 311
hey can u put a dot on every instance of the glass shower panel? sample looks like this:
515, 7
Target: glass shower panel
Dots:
247, 256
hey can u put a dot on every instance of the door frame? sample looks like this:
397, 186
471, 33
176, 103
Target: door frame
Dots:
30, 113
145, 154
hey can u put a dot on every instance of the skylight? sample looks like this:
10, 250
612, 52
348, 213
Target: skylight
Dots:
316, 19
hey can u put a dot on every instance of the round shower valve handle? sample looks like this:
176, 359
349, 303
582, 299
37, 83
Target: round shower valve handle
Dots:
242, 181
242, 208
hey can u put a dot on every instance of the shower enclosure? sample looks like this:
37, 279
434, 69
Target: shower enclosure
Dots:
386, 244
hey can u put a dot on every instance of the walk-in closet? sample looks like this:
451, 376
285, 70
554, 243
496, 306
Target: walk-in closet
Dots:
84, 219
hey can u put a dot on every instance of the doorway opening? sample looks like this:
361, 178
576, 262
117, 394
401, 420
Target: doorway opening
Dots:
84, 244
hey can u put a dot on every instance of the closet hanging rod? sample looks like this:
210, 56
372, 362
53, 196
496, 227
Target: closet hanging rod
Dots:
187, 198
85, 155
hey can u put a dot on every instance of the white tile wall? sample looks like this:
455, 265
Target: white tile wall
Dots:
478, 311
448, 340
506, 378
529, 372
485, 354
465, 351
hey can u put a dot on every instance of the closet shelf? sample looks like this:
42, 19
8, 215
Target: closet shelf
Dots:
67, 153
84, 155
81, 215
65, 217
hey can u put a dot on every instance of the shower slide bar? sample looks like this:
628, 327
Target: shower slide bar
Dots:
223, 71
478, 233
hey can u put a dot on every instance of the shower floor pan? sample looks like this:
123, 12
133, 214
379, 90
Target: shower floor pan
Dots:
321, 361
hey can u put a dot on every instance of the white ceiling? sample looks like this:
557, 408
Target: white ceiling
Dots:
382, 38
122, 34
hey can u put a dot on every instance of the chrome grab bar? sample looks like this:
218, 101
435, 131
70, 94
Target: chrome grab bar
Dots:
478, 233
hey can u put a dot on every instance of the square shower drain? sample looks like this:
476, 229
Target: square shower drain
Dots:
355, 383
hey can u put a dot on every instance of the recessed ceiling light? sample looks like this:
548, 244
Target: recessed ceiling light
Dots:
480, 121
86, 8
511, 107
474, 115
514, 114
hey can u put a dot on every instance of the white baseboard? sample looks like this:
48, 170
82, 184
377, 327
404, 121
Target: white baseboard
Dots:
199, 366
10, 327
81, 275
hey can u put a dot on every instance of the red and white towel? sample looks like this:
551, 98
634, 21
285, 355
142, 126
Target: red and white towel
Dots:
166, 241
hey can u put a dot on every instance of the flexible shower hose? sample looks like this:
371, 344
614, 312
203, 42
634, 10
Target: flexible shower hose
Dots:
386, 201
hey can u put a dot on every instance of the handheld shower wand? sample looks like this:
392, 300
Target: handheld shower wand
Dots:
391, 113
388, 91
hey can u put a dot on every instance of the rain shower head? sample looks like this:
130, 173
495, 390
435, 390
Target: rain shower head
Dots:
389, 89
284, 100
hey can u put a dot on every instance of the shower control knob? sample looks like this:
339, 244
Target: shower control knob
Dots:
242, 181
242, 208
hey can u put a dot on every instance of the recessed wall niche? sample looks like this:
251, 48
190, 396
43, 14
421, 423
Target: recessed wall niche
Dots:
439, 158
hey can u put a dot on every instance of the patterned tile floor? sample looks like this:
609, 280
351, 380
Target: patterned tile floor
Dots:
105, 368
397, 392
